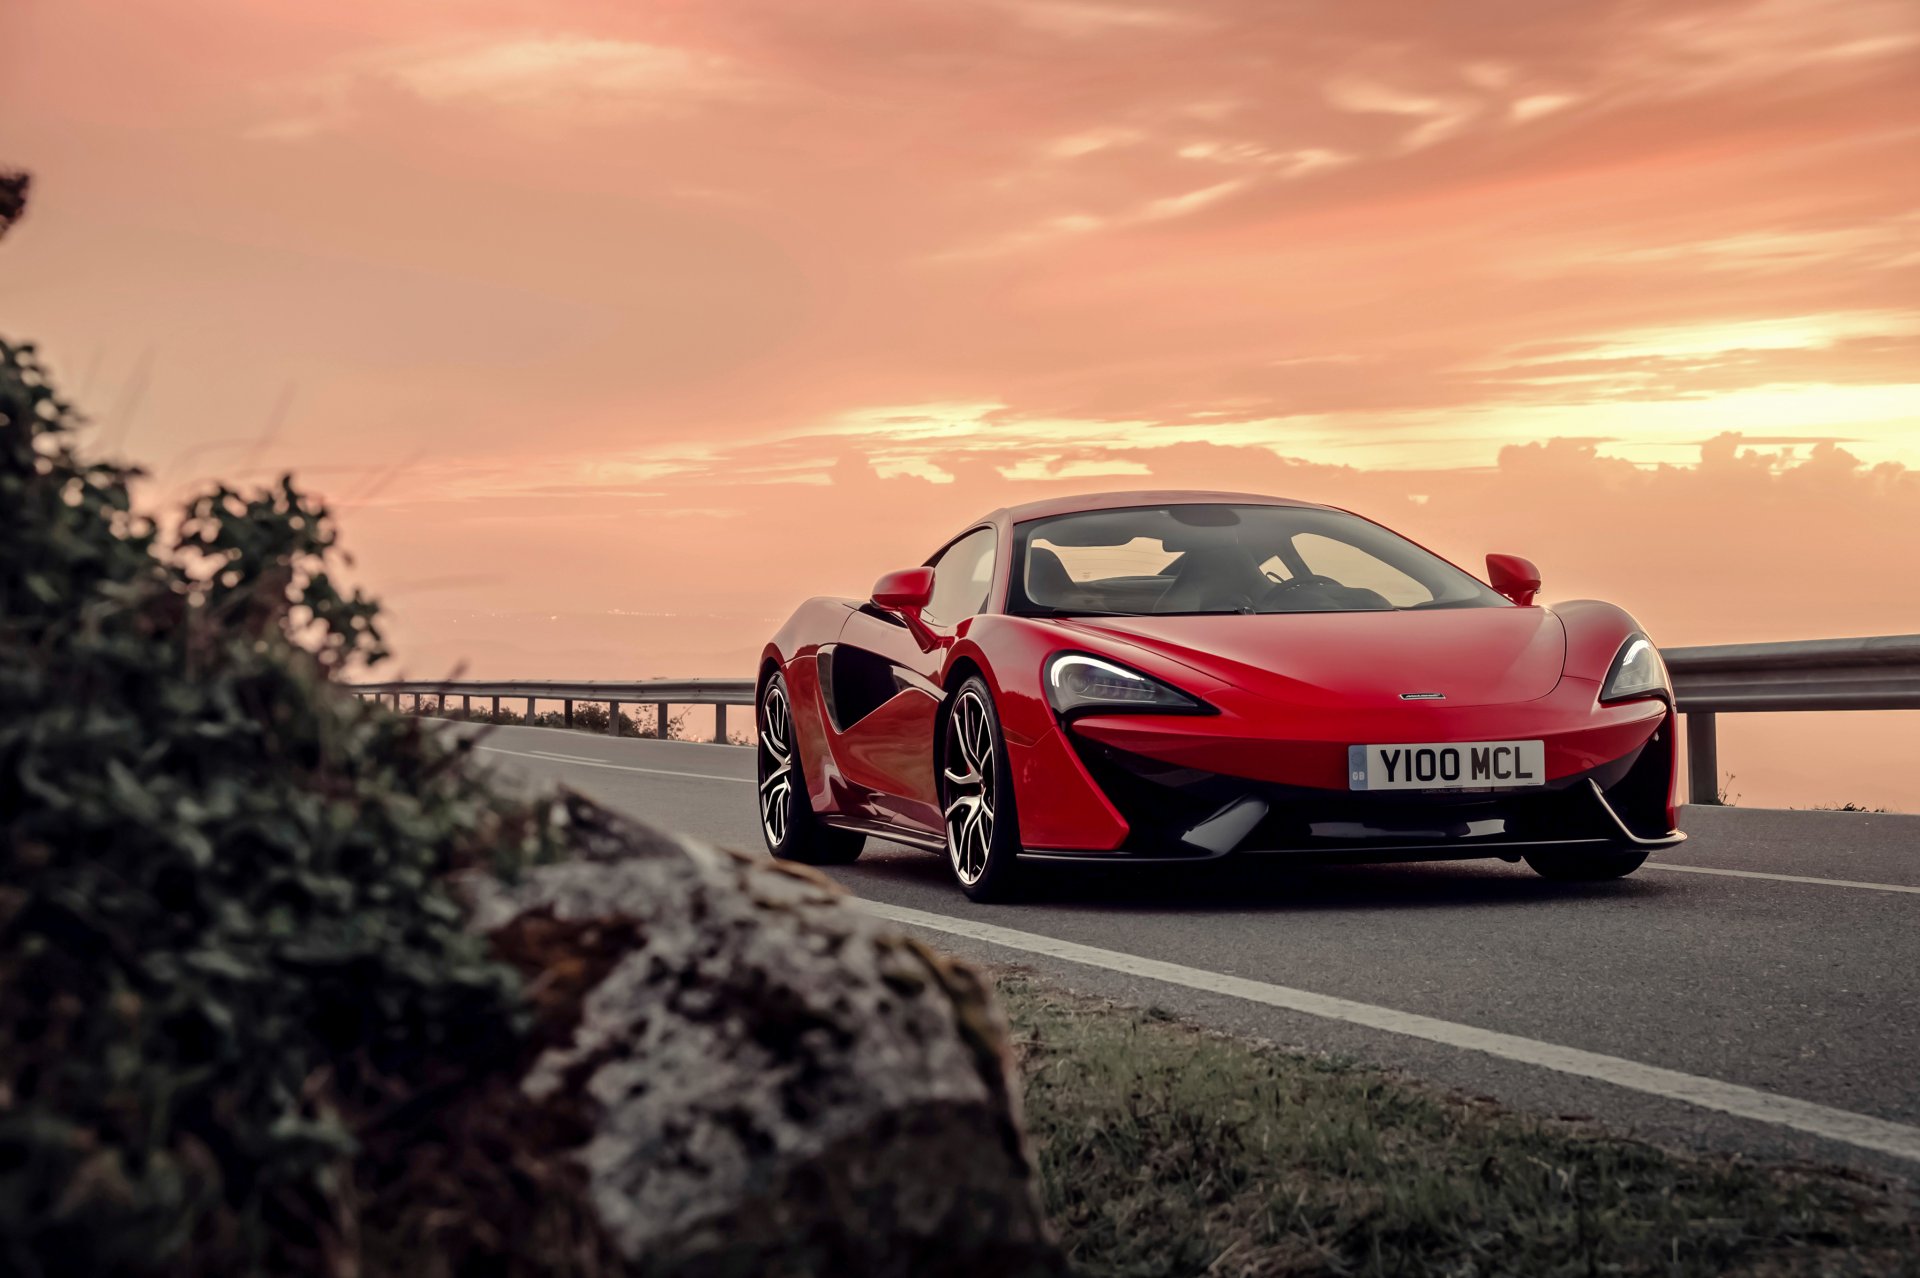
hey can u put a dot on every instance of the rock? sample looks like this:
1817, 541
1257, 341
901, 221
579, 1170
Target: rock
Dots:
772, 1082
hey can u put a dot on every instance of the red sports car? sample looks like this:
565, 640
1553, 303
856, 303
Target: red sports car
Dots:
1178, 676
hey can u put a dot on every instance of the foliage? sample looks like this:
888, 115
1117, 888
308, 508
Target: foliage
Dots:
13, 198
231, 971
588, 716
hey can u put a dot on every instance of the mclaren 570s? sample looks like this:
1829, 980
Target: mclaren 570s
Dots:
1180, 676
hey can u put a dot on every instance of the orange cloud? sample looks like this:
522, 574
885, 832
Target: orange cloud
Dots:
602, 301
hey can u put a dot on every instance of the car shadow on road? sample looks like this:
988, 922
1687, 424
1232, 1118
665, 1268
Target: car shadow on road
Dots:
1241, 884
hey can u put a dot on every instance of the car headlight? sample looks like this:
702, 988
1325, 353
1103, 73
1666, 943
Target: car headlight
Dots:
1077, 682
1637, 671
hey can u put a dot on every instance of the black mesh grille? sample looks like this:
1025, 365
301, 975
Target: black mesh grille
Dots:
1162, 802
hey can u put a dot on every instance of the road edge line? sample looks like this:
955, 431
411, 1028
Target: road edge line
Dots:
1844, 1126
1856, 884
612, 767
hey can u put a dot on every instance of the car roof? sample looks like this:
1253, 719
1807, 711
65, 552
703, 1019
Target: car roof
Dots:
1083, 502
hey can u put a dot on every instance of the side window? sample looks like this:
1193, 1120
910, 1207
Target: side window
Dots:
1349, 565
962, 577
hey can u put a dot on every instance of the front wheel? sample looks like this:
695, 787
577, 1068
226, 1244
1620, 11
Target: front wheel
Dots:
976, 796
793, 831
1586, 867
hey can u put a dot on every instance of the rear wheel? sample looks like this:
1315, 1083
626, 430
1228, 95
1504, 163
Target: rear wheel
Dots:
983, 832
1586, 867
793, 831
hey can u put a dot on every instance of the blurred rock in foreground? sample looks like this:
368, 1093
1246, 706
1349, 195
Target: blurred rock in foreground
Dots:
772, 1081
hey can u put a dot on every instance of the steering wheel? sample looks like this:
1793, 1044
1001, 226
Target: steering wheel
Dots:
1306, 579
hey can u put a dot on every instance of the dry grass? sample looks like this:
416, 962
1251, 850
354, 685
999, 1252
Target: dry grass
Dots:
1167, 1150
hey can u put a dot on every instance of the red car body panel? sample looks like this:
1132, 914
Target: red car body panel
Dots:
1289, 693
1060, 805
1350, 660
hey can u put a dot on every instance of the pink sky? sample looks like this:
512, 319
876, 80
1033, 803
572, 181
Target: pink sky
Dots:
592, 310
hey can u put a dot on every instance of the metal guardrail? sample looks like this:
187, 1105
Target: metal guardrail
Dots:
1878, 673
661, 694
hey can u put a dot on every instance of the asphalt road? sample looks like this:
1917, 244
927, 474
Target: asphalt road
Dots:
1774, 955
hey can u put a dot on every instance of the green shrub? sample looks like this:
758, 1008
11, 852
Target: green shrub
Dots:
592, 716
234, 987
13, 198
588, 716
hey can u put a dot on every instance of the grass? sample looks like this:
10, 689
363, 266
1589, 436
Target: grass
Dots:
1168, 1150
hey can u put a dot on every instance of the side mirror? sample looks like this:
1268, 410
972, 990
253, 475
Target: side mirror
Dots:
1514, 577
908, 590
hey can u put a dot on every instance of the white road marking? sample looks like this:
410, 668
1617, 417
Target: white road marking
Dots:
1861, 1130
547, 757
1826, 1122
1787, 878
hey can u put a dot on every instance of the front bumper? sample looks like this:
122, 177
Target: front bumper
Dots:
1203, 794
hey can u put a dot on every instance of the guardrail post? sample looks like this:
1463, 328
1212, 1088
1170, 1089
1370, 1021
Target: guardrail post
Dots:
720, 723
569, 712
1703, 758
660, 720
466, 704
496, 707
613, 718
529, 709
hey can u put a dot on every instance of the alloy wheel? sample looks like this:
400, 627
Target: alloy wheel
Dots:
776, 766
969, 774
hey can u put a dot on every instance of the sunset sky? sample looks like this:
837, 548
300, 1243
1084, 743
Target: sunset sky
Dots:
613, 328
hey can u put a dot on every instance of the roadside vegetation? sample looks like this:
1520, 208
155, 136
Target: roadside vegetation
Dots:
243, 1026
588, 716
1168, 1150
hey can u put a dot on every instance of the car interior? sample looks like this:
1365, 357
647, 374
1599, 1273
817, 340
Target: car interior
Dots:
1222, 559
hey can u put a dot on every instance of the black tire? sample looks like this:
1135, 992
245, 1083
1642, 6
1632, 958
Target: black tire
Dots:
976, 796
1587, 867
793, 831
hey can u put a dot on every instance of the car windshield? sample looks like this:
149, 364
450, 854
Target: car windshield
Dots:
1218, 558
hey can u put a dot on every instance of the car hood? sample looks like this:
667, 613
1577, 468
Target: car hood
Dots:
1471, 656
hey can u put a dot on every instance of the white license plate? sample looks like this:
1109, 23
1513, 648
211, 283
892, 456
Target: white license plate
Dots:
1463, 765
